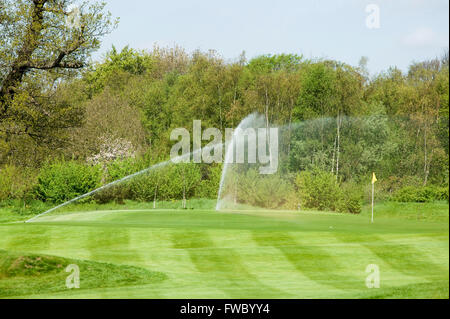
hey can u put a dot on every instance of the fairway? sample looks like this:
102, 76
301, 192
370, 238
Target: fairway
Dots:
240, 254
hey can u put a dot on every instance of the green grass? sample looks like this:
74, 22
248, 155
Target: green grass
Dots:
18, 210
435, 211
28, 274
236, 254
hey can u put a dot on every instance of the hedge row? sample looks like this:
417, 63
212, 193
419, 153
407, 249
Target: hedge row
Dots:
63, 180
60, 181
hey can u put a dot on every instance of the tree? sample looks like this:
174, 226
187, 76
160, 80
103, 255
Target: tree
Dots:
349, 92
317, 98
423, 77
38, 50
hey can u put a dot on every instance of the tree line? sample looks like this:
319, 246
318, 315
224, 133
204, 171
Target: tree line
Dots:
56, 106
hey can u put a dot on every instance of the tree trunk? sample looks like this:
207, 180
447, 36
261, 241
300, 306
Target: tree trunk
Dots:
184, 190
289, 131
322, 124
184, 197
235, 192
22, 63
426, 169
267, 108
220, 107
154, 197
338, 143
334, 155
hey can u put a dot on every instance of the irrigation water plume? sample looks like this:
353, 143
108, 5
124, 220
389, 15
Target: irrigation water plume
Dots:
303, 145
148, 169
250, 121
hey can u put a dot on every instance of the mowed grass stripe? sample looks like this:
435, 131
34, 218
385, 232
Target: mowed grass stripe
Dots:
223, 265
314, 262
113, 245
267, 263
36, 238
401, 257
264, 263
432, 248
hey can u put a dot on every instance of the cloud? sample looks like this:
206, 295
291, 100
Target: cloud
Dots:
425, 37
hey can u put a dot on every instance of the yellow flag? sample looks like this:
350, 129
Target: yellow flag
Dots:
374, 178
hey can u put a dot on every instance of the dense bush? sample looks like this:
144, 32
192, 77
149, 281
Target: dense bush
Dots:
442, 193
62, 181
421, 194
351, 199
318, 189
315, 189
114, 171
209, 185
116, 193
15, 182
268, 191
120, 168
163, 183
386, 187
177, 179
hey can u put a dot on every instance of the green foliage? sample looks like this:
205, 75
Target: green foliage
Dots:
318, 92
318, 189
268, 191
14, 182
277, 62
145, 187
179, 179
127, 61
421, 194
351, 199
61, 181
123, 167
342, 123
40, 55
170, 182
209, 185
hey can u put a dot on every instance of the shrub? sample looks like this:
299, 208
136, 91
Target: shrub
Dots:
116, 193
209, 185
15, 182
442, 193
62, 181
268, 191
318, 189
120, 168
351, 198
116, 170
386, 187
144, 187
420, 194
177, 178
167, 182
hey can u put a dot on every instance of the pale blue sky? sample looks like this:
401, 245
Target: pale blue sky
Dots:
409, 29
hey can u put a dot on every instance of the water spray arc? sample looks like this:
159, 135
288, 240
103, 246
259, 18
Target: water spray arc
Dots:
252, 120
146, 170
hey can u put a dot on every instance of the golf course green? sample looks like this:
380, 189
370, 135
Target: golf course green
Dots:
170, 253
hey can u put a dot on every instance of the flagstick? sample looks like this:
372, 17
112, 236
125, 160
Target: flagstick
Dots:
373, 190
